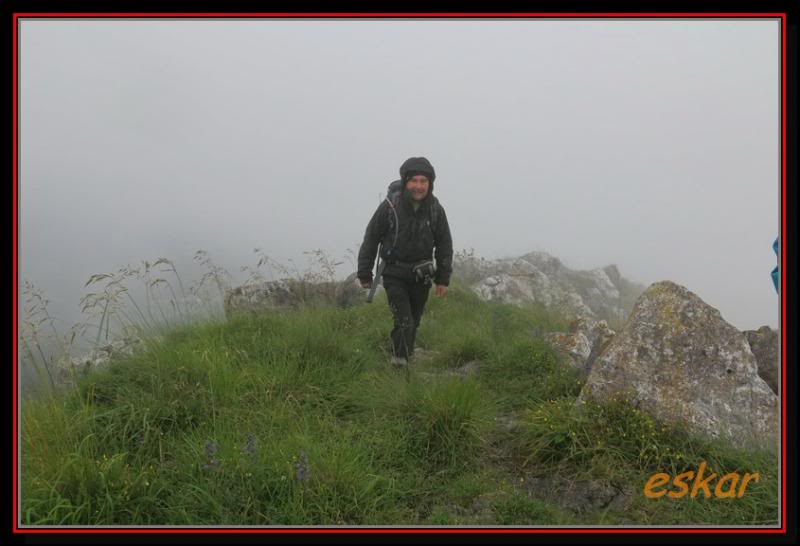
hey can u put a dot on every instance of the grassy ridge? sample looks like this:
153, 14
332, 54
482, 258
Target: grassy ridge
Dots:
295, 419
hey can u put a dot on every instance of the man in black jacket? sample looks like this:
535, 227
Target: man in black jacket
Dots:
408, 229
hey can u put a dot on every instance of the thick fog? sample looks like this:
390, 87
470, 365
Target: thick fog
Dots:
651, 144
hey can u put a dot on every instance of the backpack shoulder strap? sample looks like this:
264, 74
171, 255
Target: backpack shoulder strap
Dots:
393, 194
434, 214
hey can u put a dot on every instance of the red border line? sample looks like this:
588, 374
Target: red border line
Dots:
386, 530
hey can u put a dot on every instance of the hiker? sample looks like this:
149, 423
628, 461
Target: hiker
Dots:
408, 226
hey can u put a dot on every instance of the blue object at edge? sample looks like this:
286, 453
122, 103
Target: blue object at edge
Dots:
775, 273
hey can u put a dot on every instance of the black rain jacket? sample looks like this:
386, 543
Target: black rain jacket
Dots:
416, 240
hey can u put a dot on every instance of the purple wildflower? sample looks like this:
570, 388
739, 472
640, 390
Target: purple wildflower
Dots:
251, 446
302, 468
211, 450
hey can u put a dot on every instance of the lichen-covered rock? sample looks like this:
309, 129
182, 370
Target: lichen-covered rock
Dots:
583, 325
574, 346
504, 288
599, 337
292, 293
538, 277
764, 344
582, 343
600, 333
677, 359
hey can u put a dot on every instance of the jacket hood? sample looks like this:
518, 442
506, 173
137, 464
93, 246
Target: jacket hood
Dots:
417, 165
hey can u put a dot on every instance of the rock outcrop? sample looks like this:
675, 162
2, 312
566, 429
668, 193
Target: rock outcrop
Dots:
764, 343
68, 369
538, 277
292, 293
677, 359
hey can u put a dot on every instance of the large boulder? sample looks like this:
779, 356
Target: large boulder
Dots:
764, 343
679, 360
538, 277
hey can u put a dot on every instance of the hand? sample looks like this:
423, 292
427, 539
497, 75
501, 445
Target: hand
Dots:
365, 283
441, 290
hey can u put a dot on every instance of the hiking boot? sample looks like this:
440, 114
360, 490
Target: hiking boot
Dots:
399, 362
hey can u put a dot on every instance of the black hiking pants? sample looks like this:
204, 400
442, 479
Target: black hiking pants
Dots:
407, 301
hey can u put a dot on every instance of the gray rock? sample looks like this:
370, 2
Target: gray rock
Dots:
68, 369
590, 495
600, 332
764, 343
469, 369
292, 293
580, 496
599, 337
582, 343
538, 277
677, 359
574, 346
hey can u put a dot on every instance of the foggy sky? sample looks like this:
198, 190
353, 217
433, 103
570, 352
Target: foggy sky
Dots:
654, 145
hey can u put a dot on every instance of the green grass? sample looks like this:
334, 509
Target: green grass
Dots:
294, 418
